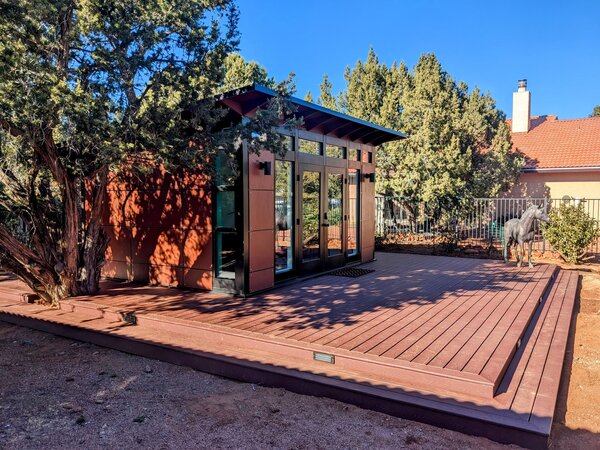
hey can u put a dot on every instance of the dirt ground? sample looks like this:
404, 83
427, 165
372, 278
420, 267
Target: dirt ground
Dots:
577, 419
60, 393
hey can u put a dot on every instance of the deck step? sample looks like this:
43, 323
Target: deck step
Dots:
522, 318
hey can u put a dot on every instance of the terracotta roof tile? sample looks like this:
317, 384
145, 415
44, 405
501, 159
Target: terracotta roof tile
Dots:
553, 143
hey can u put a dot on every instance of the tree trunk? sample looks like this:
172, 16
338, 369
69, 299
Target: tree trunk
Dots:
68, 263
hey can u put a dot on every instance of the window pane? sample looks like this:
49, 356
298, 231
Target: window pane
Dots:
284, 216
335, 151
226, 254
310, 147
335, 184
311, 206
354, 154
353, 210
289, 143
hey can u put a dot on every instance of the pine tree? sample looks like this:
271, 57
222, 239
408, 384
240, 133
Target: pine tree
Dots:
458, 147
326, 97
239, 73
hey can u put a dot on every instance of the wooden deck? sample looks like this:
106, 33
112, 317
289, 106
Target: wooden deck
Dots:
451, 337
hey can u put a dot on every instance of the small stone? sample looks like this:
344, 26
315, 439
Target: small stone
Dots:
67, 406
139, 419
69, 379
99, 401
80, 420
148, 369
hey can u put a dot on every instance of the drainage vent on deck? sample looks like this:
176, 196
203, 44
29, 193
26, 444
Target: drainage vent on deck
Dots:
351, 272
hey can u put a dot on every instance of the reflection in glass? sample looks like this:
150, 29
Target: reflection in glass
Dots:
311, 205
284, 216
335, 184
310, 147
335, 151
353, 210
353, 154
289, 143
226, 236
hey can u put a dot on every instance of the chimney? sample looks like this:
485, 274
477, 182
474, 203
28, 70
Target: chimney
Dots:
521, 108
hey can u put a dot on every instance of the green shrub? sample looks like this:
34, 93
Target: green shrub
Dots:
570, 231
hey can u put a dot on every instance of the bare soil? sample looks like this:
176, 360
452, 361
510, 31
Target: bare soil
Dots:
577, 419
60, 393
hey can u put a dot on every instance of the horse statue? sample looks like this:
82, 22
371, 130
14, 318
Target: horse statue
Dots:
518, 232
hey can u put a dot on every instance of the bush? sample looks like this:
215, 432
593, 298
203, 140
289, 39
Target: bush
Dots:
570, 231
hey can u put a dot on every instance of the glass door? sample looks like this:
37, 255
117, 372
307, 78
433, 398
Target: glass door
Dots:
311, 215
333, 218
284, 219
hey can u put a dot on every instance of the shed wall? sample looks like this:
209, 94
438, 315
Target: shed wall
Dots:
160, 230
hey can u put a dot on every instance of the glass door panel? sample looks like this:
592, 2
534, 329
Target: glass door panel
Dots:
284, 216
334, 214
311, 215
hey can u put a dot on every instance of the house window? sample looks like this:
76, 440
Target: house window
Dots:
335, 151
310, 147
353, 154
226, 233
289, 143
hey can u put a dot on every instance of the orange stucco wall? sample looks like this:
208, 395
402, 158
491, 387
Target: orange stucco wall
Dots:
160, 230
558, 185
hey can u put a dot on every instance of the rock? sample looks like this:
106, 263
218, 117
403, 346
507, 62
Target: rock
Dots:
148, 369
68, 406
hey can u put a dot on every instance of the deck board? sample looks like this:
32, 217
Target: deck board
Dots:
426, 327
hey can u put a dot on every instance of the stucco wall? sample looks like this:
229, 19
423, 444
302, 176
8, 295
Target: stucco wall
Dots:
160, 230
558, 185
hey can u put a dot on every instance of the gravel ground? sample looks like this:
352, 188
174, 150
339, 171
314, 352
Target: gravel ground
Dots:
60, 393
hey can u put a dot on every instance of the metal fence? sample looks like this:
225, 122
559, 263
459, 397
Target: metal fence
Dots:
479, 223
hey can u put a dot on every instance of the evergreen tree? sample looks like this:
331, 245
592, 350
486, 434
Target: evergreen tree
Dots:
458, 147
90, 88
239, 73
326, 97
308, 97
596, 111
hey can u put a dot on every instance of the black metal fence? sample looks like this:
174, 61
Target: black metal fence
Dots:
479, 223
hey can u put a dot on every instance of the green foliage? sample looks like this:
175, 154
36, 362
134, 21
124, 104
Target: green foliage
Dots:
570, 231
596, 111
459, 144
240, 73
90, 87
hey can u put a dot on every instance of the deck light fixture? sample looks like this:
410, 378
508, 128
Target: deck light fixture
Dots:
265, 166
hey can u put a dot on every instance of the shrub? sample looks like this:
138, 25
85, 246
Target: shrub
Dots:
570, 231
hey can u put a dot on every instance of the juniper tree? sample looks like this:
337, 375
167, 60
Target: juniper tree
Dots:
87, 88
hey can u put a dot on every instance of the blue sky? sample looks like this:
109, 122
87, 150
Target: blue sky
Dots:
491, 44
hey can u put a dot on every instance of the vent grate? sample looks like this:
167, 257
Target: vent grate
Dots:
351, 272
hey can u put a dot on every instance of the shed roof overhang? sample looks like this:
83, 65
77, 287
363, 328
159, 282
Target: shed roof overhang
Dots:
247, 100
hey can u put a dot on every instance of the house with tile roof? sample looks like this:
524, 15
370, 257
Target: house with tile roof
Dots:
563, 156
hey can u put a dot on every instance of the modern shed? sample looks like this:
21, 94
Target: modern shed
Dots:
309, 211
